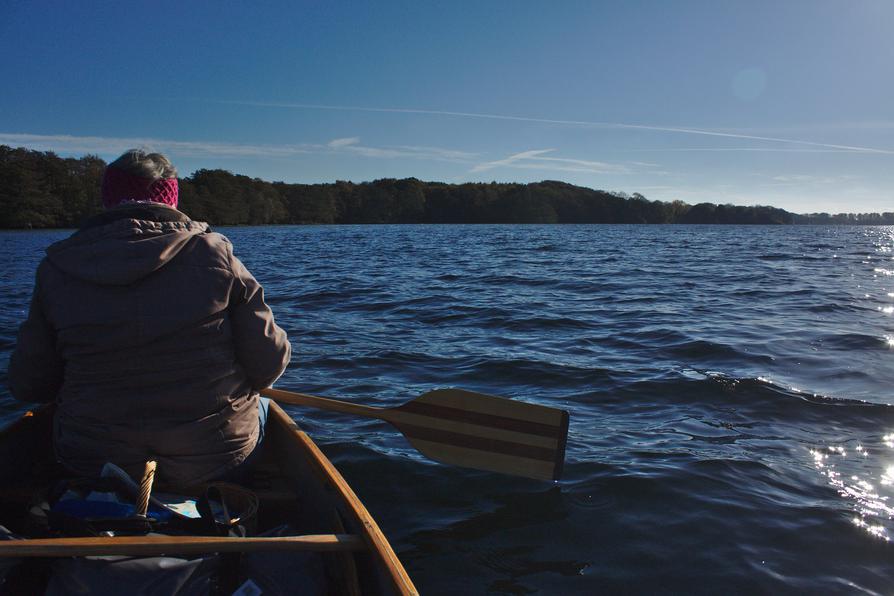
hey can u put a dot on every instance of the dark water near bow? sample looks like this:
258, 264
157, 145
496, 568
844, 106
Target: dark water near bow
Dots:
728, 390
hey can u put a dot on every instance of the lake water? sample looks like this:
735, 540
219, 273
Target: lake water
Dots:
729, 393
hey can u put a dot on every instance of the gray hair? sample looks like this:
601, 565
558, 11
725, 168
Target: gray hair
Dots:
145, 165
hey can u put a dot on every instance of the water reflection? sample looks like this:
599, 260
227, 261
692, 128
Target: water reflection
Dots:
863, 481
858, 474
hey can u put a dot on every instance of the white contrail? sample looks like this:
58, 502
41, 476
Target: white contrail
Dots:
510, 160
585, 123
107, 145
739, 149
535, 160
111, 145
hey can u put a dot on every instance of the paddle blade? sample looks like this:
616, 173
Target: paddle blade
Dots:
473, 430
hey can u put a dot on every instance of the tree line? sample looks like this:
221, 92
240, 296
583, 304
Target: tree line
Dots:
43, 190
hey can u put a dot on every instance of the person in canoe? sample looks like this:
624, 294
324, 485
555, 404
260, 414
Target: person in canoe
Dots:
152, 338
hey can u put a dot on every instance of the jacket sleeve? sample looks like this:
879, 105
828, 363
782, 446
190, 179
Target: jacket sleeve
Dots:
262, 347
36, 368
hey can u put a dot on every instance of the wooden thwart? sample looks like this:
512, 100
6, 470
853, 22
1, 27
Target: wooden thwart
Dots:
147, 546
468, 429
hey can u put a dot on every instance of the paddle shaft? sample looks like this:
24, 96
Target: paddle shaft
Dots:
181, 545
323, 403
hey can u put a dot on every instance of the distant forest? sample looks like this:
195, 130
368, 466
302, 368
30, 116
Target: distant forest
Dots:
43, 190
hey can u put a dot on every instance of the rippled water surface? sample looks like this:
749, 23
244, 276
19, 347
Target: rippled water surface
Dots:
729, 392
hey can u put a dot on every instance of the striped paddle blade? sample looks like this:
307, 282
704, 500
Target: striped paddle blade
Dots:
484, 432
467, 429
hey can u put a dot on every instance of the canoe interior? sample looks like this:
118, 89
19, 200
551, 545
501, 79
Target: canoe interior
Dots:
293, 480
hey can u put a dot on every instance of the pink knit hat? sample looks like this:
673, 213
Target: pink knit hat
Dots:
119, 186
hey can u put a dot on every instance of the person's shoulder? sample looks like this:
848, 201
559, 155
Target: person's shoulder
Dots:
44, 268
217, 241
216, 246
48, 276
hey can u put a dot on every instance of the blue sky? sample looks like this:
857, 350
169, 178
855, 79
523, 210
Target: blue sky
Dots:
759, 102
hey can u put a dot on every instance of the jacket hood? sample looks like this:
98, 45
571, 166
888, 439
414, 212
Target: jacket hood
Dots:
121, 246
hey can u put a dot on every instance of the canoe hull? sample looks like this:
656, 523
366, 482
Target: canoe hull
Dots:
294, 481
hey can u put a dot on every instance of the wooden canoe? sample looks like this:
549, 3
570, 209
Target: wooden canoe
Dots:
295, 484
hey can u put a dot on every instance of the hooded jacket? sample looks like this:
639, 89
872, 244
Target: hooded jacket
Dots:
154, 340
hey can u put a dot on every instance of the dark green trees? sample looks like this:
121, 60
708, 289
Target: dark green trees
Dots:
43, 190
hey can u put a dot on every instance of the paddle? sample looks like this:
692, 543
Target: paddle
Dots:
468, 429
